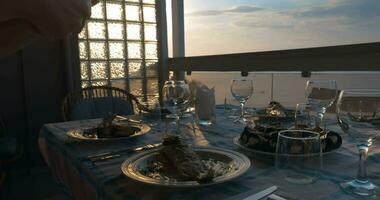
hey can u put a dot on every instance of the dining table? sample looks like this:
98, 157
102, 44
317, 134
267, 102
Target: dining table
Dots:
82, 179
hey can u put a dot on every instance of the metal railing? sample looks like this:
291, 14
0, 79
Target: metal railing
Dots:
355, 57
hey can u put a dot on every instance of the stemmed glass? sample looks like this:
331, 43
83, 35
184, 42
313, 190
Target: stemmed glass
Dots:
241, 90
176, 95
358, 109
320, 94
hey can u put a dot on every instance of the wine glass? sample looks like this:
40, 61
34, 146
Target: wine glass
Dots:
302, 118
320, 94
357, 111
241, 90
299, 156
176, 95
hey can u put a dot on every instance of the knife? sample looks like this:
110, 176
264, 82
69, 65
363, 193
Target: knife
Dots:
262, 194
115, 154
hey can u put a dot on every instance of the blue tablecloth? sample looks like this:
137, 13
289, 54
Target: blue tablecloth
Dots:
107, 181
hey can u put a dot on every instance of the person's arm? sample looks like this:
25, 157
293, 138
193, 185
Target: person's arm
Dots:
14, 35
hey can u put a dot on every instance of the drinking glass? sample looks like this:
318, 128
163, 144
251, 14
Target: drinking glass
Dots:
358, 109
299, 156
321, 94
302, 117
241, 90
176, 95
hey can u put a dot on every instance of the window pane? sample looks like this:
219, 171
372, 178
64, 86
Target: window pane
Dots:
97, 11
118, 84
150, 32
134, 50
96, 30
98, 50
115, 30
85, 84
135, 69
152, 86
135, 86
116, 50
132, 13
151, 69
82, 50
84, 70
149, 1
133, 1
117, 69
151, 51
149, 14
99, 83
82, 34
134, 31
98, 70
114, 11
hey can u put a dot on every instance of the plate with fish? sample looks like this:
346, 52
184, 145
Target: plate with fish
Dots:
176, 164
111, 128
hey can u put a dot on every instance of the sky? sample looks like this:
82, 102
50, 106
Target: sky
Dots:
234, 26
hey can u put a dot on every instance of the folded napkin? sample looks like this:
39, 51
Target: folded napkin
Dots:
205, 103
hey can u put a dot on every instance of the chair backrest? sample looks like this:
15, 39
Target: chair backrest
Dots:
98, 102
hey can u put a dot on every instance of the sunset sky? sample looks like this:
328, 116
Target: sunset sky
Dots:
230, 26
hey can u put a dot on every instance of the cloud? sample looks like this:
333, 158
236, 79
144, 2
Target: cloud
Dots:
335, 14
236, 10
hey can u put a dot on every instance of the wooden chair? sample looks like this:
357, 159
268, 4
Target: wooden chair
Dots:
98, 102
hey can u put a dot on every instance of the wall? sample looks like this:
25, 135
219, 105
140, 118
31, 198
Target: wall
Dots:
32, 84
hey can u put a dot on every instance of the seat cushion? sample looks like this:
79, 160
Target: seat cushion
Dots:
8, 147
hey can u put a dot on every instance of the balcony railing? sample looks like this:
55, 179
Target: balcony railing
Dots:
356, 57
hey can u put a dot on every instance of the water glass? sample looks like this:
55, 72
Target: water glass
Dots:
299, 156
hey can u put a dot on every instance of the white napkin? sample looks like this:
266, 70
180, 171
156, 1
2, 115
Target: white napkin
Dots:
205, 103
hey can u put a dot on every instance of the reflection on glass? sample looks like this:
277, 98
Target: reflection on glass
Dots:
134, 50
135, 69
151, 69
151, 51
98, 70
114, 11
118, 84
117, 70
116, 50
115, 30
135, 86
132, 13
97, 11
149, 14
98, 50
152, 86
82, 50
83, 70
150, 32
134, 31
96, 30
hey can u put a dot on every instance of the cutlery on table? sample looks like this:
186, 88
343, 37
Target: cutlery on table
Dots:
262, 194
275, 197
117, 153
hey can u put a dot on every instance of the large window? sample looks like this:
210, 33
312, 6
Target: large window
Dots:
119, 47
